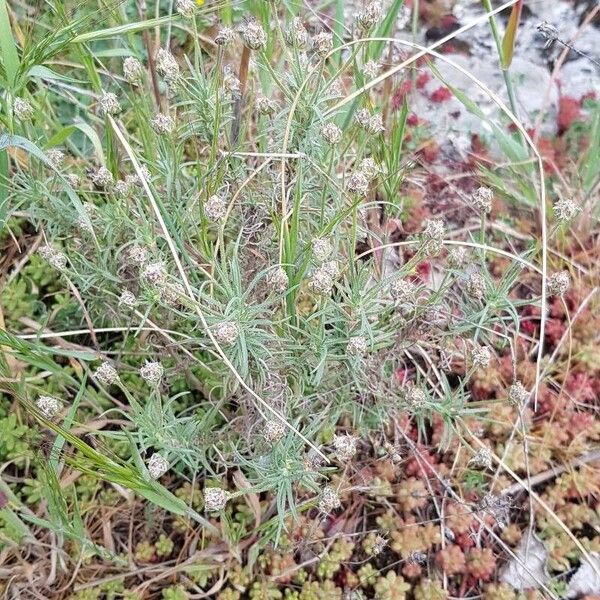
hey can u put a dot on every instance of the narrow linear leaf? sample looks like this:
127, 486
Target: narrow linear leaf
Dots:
10, 56
510, 37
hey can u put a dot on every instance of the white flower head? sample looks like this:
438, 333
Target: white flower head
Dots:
457, 257
367, 18
162, 124
362, 117
329, 500
321, 281
226, 333
481, 356
253, 34
566, 210
56, 157
102, 178
132, 70
167, 66
152, 372
558, 283
215, 208
49, 406
54, 257
266, 106
517, 394
154, 273
322, 249
225, 36
433, 236
157, 466
331, 133
278, 280
273, 431
375, 125
22, 109
137, 255
358, 183
482, 459
357, 346
186, 8
482, 200
323, 43
108, 104
370, 168
127, 299
73, 180
403, 290
475, 286
345, 447
215, 499
231, 84
106, 374
371, 69
415, 397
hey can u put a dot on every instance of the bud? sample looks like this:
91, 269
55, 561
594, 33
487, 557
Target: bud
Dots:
433, 236
296, 34
457, 257
369, 168
231, 84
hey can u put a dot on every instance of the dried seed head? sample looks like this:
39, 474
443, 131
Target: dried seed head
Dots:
482, 200
362, 118
329, 500
331, 133
132, 70
128, 299
231, 84
482, 459
322, 249
273, 431
344, 447
157, 466
167, 66
266, 106
481, 356
22, 109
517, 394
433, 236
548, 32
498, 507
368, 17
152, 372
379, 545
186, 8
296, 34
73, 180
226, 333
457, 257
476, 286
154, 273
415, 397
323, 43
321, 281
215, 208
558, 283
370, 168
403, 291
225, 36
312, 461
357, 346
277, 280
215, 499
162, 124
137, 255
106, 374
358, 183
371, 69
108, 104
565, 210
102, 178
49, 406
253, 34
172, 294
56, 157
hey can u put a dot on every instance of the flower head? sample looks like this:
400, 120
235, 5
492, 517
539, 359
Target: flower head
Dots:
369, 168
49, 406
127, 298
517, 394
215, 499
266, 106
433, 236
323, 43
162, 124
415, 397
482, 200
476, 286
403, 290
566, 210
362, 118
167, 66
157, 466
152, 372
331, 133
154, 273
357, 346
102, 178
253, 34
481, 356
482, 459
558, 283
273, 431
322, 249
186, 8
22, 109
457, 257
358, 183
371, 69
225, 36
329, 500
132, 70
226, 333
215, 208
322, 280
368, 17
296, 34
278, 280
108, 104
231, 84
344, 446
56, 157
73, 180
106, 374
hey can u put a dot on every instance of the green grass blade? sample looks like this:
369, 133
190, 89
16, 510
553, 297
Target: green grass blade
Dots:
10, 56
